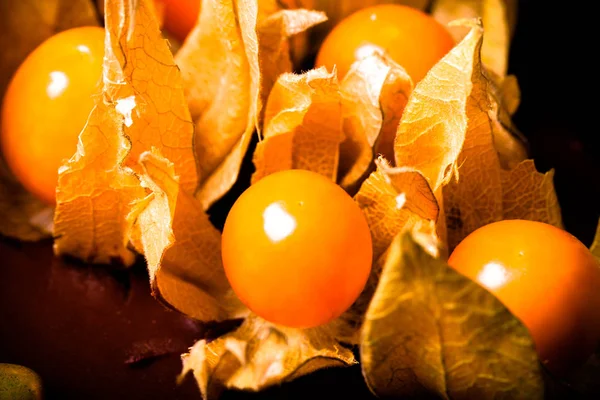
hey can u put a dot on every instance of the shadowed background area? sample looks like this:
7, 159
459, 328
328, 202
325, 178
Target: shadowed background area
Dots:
97, 334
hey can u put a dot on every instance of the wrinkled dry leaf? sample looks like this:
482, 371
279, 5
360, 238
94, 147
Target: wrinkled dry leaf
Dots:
393, 99
483, 191
429, 331
229, 63
474, 199
392, 199
434, 123
219, 65
374, 93
529, 194
182, 248
259, 354
498, 17
274, 46
23, 26
94, 193
510, 144
303, 125
142, 107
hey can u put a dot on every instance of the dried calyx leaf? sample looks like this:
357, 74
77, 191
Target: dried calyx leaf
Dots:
302, 125
429, 331
498, 19
229, 63
433, 126
374, 93
182, 248
23, 26
259, 354
483, 191
142, 106
392, 199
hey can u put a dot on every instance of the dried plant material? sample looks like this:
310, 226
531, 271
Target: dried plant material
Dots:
433, 127
220, 70
483, 191
429, 331
94, 193
374, 94
303, 125
392, 199
182, 248
529, 194
274, 45
229, 63
259, 354
393, 99
23, 26
142, 107
498, 17
510, 144
474, 199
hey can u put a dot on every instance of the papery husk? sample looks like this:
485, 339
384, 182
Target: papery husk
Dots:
229, 61
374, 93
484, 191
182, 247
24, 25
259, 354
430, 332
303, 125
142, 106
498, 19
393, 199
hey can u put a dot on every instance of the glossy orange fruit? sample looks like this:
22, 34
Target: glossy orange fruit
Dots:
47, 104
409, 36
296, 249
546, 277
180, 16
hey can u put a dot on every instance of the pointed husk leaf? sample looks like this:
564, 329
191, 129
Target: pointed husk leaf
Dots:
430, 332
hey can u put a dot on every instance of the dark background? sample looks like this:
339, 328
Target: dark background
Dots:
97, 334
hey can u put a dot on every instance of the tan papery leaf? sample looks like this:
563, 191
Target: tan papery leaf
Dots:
392, 199
374, 93
142, 106
432, 333
182, 247
303, 125
229, 62
259, 354
434, 123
